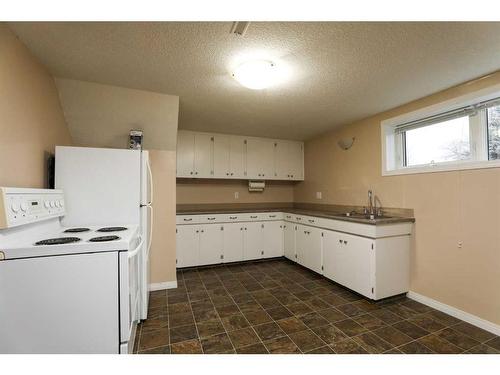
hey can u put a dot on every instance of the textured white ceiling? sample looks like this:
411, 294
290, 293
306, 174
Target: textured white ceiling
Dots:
341, 71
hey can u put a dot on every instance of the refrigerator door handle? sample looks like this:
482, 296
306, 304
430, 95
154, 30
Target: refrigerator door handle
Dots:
150, 175
150, 228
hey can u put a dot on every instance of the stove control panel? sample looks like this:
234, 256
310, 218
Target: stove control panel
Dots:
20, 206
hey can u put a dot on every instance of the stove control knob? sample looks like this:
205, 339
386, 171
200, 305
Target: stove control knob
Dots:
58, 204
24, 206
61, 202
52, 204
46, 204
14, 207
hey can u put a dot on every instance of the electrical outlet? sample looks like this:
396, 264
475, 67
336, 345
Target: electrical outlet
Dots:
460, 244
319, 195
236, 195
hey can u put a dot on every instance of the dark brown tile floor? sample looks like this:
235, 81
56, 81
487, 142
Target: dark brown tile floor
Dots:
276, 306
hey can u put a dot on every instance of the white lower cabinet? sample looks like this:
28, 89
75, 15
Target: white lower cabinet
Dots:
308, 247
348, 261
188, 246
289, 240
272, 235
233, 242
252, 241
211, 244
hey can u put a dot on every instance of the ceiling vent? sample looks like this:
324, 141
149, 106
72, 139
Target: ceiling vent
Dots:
240, 27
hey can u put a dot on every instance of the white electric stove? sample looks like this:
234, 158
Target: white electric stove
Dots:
64, 289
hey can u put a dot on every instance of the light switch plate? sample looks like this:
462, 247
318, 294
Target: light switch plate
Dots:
236, 195
319, 195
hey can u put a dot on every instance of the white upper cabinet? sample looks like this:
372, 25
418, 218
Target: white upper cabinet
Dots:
296, 163
222, 152
288, 160
237, 156
205, 155
260, 158
185, 154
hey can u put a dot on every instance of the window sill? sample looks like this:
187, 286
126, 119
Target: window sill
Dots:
444, 167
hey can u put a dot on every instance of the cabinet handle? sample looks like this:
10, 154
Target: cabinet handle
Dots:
241, 228
191, 172
232, 173
202, 231
253, 217
227, 174
197, 231
299, 218
272, 215
340, 241
311, 220
195, 172
233, 217
245, 228
345, 242
187, 219
210, 218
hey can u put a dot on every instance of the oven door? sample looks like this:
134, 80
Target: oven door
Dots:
129, 293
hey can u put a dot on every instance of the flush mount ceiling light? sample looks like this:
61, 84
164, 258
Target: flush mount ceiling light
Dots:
258, 74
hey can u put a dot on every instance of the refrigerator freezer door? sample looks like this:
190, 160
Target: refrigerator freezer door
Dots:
101, 186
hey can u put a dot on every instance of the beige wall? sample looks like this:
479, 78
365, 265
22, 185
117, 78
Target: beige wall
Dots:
31, 119
102, 115
222, 191
449, 207
163, 246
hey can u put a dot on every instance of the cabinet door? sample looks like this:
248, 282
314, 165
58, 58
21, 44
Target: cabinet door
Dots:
237, 157
233, 242
203, 155
296, 157
282, 160
351, 263
221, 156
260, 158
272, 239
331, 240
313, 258
188, 244
289, 240
211, 244
185, 154
301, 241
252, 241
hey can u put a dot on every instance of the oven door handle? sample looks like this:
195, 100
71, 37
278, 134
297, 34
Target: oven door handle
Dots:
134, 252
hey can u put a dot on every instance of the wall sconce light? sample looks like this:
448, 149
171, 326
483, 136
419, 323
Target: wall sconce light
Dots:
346, 143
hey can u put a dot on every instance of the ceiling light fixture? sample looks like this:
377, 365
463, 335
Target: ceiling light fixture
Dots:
258, 74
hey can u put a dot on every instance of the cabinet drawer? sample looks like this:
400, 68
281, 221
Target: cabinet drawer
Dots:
187, 219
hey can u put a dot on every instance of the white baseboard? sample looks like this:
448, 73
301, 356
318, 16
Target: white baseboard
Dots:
163, 286
462, 315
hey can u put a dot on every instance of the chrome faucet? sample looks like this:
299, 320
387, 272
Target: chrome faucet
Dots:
371, 208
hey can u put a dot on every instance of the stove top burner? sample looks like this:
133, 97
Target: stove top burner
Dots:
76, 230
58, 241
111, 229
104, 238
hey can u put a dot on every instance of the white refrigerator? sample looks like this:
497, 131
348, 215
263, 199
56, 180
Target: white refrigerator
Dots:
109, 187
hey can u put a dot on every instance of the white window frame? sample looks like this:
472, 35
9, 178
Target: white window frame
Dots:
392, 163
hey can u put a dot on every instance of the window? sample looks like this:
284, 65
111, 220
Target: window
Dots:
459, 134
493, 118
441, 142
